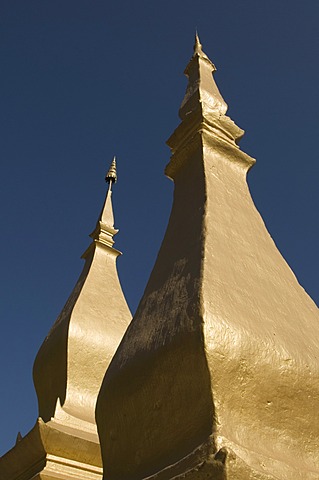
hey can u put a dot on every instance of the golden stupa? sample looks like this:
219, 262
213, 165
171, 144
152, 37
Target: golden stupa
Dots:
70, 366
217, 375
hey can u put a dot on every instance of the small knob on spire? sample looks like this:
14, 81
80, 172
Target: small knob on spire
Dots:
111, 176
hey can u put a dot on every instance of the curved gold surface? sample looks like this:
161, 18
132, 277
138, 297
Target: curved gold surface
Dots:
217, 375
71, 362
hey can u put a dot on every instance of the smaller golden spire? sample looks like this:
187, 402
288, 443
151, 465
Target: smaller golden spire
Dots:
104, 230
70, 365
111, 176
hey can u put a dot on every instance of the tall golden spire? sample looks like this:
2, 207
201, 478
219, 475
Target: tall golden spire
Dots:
71, 362
217, 375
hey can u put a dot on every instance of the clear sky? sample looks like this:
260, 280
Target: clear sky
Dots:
82, 80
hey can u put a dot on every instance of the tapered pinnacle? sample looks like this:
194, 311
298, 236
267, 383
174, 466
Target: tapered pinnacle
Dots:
197, 45
111, 176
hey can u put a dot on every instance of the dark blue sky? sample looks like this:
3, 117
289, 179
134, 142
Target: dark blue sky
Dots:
84, 80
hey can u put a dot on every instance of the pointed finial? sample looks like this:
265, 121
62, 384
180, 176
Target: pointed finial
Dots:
111, 176
202, 91
197, 45
198, 50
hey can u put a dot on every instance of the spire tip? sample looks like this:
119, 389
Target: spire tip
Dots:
111, 176
197, 45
